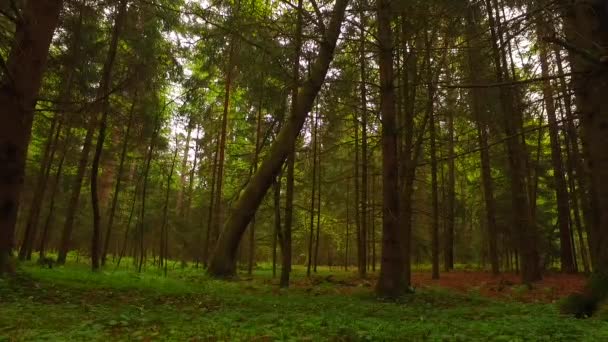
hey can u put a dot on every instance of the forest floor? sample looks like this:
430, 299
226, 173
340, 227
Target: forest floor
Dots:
71, 303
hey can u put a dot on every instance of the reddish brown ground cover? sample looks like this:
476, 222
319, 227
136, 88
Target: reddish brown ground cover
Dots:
506, 286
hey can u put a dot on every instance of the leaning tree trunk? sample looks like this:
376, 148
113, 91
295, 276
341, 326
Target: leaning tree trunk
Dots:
19, 88
222, 262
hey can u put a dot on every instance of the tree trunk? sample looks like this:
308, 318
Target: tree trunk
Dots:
258, 138
144, 193
311, 237
561, 190
211, 203
287, 233
587, 35
318, 239
19, 88
524, 226
104, 88
223, 260
219, 189
31, 227
577, 176
53, 195
277, 225
117, 186
347, 237
451, 186
433, 150
477, 99
164, 231
392, 281
184, 170
364, 186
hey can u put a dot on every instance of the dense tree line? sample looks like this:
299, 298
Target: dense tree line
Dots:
368, 134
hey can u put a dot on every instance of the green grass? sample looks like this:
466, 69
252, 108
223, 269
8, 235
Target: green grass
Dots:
71, 303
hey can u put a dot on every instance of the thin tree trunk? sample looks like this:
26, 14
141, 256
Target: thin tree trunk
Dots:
104, 87
347, 225
31, 226
258, 136
451, 186
580, 183
211, 203
53, 195
219, 207
561, 190
476, 95
164, 251
433, 151
277, 224
311, 237
363, 244
525, 228
183, 172
42, 179
145, 192
223, 260
287, 234
117, 186
318, 239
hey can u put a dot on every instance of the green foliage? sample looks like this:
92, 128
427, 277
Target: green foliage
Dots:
70, 303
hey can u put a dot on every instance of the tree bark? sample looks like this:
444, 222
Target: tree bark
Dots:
393, 280
222, 262
19, 88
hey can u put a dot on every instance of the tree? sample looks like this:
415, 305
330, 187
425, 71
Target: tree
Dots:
392, 281
586, 35
222, 263
19, 86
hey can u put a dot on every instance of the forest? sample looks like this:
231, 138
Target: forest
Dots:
304, 170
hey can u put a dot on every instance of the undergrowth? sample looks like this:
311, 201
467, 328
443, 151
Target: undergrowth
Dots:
71, 303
